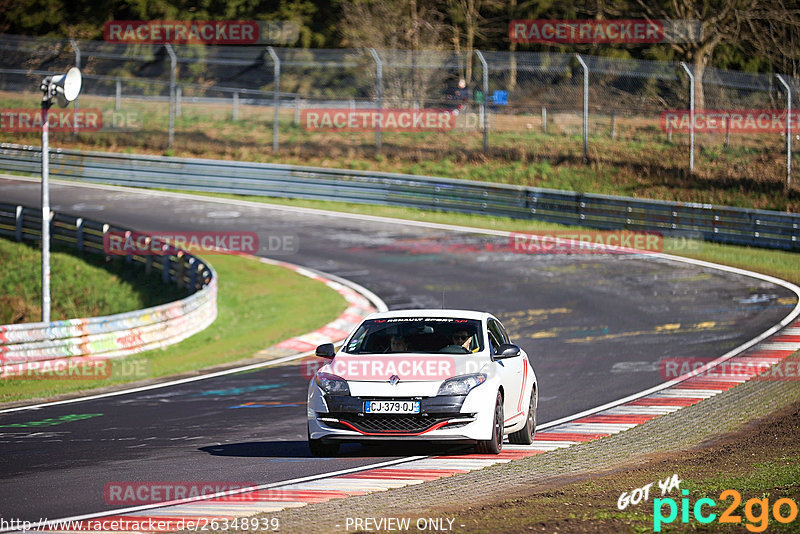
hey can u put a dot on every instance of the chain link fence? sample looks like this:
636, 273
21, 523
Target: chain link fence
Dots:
246, 98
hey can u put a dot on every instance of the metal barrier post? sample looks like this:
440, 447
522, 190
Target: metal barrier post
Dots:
164, 264
236, 105
691, 115
297, 110
117, 95
379, 89
18, 221
178, 100
483, 102
276, 97
788, 130
173, 64
79, 230
192, 274
585, 106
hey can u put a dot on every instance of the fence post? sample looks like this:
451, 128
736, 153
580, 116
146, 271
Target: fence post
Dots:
691, 115
118, 95
236, 105
483, 102
77, 64
276, 96
173, 64
544, 120
178, 100
379, 89
788, 130
297, 110
613, 120
585, 106
727, 131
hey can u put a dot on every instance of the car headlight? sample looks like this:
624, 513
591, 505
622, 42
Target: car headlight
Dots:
461, 385
332, 384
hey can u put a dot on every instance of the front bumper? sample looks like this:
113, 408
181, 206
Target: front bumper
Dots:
440, 418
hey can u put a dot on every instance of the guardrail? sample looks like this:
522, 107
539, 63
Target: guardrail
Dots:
113, 335
760, 228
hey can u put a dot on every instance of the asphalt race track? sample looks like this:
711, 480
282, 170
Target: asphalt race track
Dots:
595, 325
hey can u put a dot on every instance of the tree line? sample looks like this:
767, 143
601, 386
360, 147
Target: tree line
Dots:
747, 35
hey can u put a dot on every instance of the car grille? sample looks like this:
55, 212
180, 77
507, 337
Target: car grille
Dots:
390, 424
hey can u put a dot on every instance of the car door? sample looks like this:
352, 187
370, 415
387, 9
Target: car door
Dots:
513, 371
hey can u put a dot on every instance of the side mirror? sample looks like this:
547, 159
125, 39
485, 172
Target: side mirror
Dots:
506, 350
326, 350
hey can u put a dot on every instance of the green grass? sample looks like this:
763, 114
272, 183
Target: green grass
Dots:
81, 285
258, 306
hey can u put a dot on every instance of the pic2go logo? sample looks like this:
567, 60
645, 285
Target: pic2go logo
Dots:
756, 511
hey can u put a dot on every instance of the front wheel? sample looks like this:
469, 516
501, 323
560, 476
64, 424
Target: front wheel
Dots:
495, 444
524, 436
322, 447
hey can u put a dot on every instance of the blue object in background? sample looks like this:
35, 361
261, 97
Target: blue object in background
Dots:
500, 98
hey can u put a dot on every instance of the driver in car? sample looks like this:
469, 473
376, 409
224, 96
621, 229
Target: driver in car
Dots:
398, 344
462, 338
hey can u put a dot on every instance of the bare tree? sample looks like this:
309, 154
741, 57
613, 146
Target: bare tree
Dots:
406, 31
469, 18
765, 27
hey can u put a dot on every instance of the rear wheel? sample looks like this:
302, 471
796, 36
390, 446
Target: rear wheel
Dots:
495, 444
524, 436
322, 447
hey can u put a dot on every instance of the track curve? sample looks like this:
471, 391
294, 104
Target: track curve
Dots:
595, 325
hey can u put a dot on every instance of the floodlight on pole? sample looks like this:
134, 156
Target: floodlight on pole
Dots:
64, 88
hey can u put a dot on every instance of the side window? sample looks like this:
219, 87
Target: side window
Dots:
503, 332
495, 335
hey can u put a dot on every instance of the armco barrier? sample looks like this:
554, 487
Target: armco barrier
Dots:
113, 335
761, 228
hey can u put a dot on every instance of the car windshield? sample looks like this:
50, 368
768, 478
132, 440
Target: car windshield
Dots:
421, 334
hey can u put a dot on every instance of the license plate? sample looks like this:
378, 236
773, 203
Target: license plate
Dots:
391, 407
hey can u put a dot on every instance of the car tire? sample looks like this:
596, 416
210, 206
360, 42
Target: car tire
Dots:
524, 436
495, 444
322, 447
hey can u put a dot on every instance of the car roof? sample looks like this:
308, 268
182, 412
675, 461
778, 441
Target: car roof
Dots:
455, 314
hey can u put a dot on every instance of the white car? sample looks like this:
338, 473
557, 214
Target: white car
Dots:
439, 375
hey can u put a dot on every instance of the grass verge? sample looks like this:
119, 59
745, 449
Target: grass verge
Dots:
257, 305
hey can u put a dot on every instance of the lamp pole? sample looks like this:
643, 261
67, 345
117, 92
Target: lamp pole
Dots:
64, 87
46, 103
